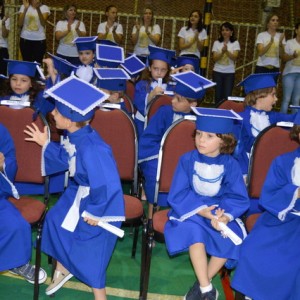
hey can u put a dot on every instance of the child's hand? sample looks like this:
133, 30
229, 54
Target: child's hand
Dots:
36, 135
90, 221
2, 158
207, 212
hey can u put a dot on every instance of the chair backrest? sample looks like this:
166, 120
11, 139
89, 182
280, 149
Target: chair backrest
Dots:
177, 140
118, 130
129, 105
270, 143
230, 104
155, 104
130, 89
28, 154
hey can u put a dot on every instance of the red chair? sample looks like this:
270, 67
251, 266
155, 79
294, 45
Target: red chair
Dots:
155, 104
118, 130
169, 154
230, 104
28, 156
130, 89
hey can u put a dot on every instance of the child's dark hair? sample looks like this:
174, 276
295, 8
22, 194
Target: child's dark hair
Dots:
200, 24
252, 97
294, 133
229, 26
33, 91
228, 143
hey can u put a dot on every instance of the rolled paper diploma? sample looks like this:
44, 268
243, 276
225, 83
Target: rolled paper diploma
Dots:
232, 235
111, 228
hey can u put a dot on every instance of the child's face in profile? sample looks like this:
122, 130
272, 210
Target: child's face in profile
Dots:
61, 122
181, 104
207, 143
20, 84
86, 56
158, 69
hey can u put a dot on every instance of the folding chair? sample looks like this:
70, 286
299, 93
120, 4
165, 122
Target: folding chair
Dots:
29, 170
118, 130
231, 104
270, 143
169, 154
129, 106
155, 104
130, 89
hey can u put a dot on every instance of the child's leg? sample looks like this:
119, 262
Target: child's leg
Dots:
214, 266
100, 294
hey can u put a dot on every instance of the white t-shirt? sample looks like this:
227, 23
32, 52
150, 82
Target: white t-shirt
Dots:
293, 65
65, 46
32, 28
3, 41
110, 36
188, 35
271, 57
225, 64
141, 47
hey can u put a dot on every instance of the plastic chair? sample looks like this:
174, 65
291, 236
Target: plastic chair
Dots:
230, 104
169, 154
270, 143
155, 104
118, 130
29, 170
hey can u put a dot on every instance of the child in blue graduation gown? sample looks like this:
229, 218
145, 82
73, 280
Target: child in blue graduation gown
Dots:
81, 248
15, 231
154, 81
23, 90
269, 264
207, 188
149, 142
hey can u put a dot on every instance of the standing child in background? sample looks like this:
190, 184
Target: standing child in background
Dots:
23, 90
66, 31
225, 53
192, 36
149, 143
207, 189
94, 192
269, 263
4, 31
111, 30
15, 231
154, 81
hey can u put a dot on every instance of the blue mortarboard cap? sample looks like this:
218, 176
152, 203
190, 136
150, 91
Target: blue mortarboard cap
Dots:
216, 120
191, 85
184, 60
85, 43
259, 81
62, 65
111, 79
133, 65
107, 42
161, 54
76, 99
109, 56
21, 67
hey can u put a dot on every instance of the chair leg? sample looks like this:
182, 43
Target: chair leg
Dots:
37, 262
134, 243
239, 296
143, 255
225, 280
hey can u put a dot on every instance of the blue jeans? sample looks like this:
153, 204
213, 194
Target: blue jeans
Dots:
225, 84
291, 91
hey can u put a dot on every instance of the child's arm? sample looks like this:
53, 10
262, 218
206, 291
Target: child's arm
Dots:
52, 72
35, 135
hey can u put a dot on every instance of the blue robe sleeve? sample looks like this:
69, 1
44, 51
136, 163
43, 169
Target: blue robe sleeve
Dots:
140, 95
279, 194
42, 104
105, 190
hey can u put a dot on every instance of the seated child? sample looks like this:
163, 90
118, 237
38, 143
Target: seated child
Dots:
269, 264
15, 232
149, 143
94, 192
207, 188
185, 64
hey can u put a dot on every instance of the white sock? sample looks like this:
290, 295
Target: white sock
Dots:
206, 289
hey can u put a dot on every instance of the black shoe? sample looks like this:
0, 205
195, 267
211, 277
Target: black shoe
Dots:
194, 293
211, 295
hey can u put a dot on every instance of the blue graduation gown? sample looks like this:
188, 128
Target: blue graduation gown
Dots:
86, 251
149, 144
269, 265
15, 232
140, 102
200, 181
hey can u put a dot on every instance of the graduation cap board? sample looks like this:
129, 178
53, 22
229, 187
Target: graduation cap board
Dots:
216, 120
133, 65
85, 43
21, 67
112, 79
76, 99
62, 65
108, 55
259, 81
161, 54
195, 81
